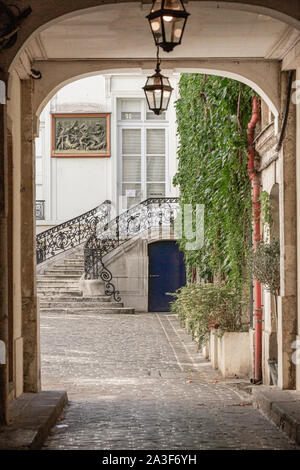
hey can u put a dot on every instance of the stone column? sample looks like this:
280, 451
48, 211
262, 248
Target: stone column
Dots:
30, 313
3, 271
287, 305
296, 95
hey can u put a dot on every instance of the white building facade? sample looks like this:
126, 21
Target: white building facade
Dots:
142, 160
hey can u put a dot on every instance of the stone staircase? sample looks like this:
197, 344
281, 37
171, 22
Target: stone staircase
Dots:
59, 292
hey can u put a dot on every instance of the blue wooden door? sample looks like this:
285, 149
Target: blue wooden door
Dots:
166, 274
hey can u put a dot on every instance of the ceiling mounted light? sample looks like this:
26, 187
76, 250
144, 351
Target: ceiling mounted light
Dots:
167, 20
158, 90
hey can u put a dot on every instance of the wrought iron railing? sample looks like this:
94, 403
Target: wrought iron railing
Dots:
40, 209
151, 213
72, 233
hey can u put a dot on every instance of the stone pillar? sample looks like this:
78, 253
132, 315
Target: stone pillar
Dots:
297, 344
287, 305
3, 271
30, 314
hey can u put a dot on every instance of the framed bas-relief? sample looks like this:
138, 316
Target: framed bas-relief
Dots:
81, 135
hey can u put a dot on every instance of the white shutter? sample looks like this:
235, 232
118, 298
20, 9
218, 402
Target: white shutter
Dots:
156, 142
131, 169
155, 168
156, 190
131, 141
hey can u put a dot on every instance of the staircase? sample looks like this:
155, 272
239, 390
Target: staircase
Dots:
80, 247
58, 290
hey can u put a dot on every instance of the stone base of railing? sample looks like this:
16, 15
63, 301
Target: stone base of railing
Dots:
92, 287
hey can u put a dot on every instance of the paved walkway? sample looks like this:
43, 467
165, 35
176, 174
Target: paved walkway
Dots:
137, 382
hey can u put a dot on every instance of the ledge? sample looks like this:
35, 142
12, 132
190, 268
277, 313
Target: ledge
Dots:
32, 416
281, 406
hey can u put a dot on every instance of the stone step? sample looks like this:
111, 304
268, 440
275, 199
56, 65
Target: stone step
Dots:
74, 261
78, 298
69, 304
57, 290
57, 277
114, 310
66, 272
78, 266
75, 294
57, 283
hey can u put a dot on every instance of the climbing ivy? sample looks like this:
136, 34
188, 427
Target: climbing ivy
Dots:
266, 212
212, 117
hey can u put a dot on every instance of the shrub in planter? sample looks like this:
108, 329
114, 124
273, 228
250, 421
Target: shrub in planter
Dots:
265, 265
202, 307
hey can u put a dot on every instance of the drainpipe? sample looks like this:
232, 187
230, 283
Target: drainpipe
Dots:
253, 175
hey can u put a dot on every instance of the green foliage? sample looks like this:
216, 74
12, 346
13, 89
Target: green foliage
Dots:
264, 262
201, 307
266, 211
212, 117
265, 265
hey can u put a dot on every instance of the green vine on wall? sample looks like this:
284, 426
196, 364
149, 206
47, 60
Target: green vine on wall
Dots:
264, 262
266, 212
212, 117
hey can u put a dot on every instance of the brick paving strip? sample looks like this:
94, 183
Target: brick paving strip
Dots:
138, 382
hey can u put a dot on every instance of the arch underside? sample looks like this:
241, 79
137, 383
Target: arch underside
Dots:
262, 76
46, 14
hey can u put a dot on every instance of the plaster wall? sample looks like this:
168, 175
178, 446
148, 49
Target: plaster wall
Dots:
72, 186
129, 267
269, 161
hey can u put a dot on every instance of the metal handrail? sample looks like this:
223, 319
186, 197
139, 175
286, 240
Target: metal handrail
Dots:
71, 233
150, 213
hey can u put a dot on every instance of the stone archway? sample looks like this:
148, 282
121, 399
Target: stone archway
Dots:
262, 77
45, 14
27, 98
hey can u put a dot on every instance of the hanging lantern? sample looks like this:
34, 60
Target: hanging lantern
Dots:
158, 90
167, 20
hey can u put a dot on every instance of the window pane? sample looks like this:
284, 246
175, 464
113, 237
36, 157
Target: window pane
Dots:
132, 194
155, 168
130, 116
131, 109
150, 116
155, 190
155, 141
131, 141
130, 105
131, 169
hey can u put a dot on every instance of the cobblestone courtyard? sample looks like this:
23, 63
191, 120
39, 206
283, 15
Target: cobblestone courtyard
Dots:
137, 382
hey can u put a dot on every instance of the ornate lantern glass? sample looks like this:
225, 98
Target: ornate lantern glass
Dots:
167, 20
158, 91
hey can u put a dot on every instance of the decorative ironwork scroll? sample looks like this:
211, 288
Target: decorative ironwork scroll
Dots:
71, 233
151, 213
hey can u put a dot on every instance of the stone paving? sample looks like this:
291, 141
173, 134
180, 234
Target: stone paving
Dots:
138, 382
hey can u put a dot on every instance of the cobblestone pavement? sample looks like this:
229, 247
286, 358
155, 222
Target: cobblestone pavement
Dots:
137, 382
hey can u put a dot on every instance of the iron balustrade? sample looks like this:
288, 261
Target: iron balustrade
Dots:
149, 214
71, 233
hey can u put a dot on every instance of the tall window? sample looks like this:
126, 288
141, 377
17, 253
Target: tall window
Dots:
143, 152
